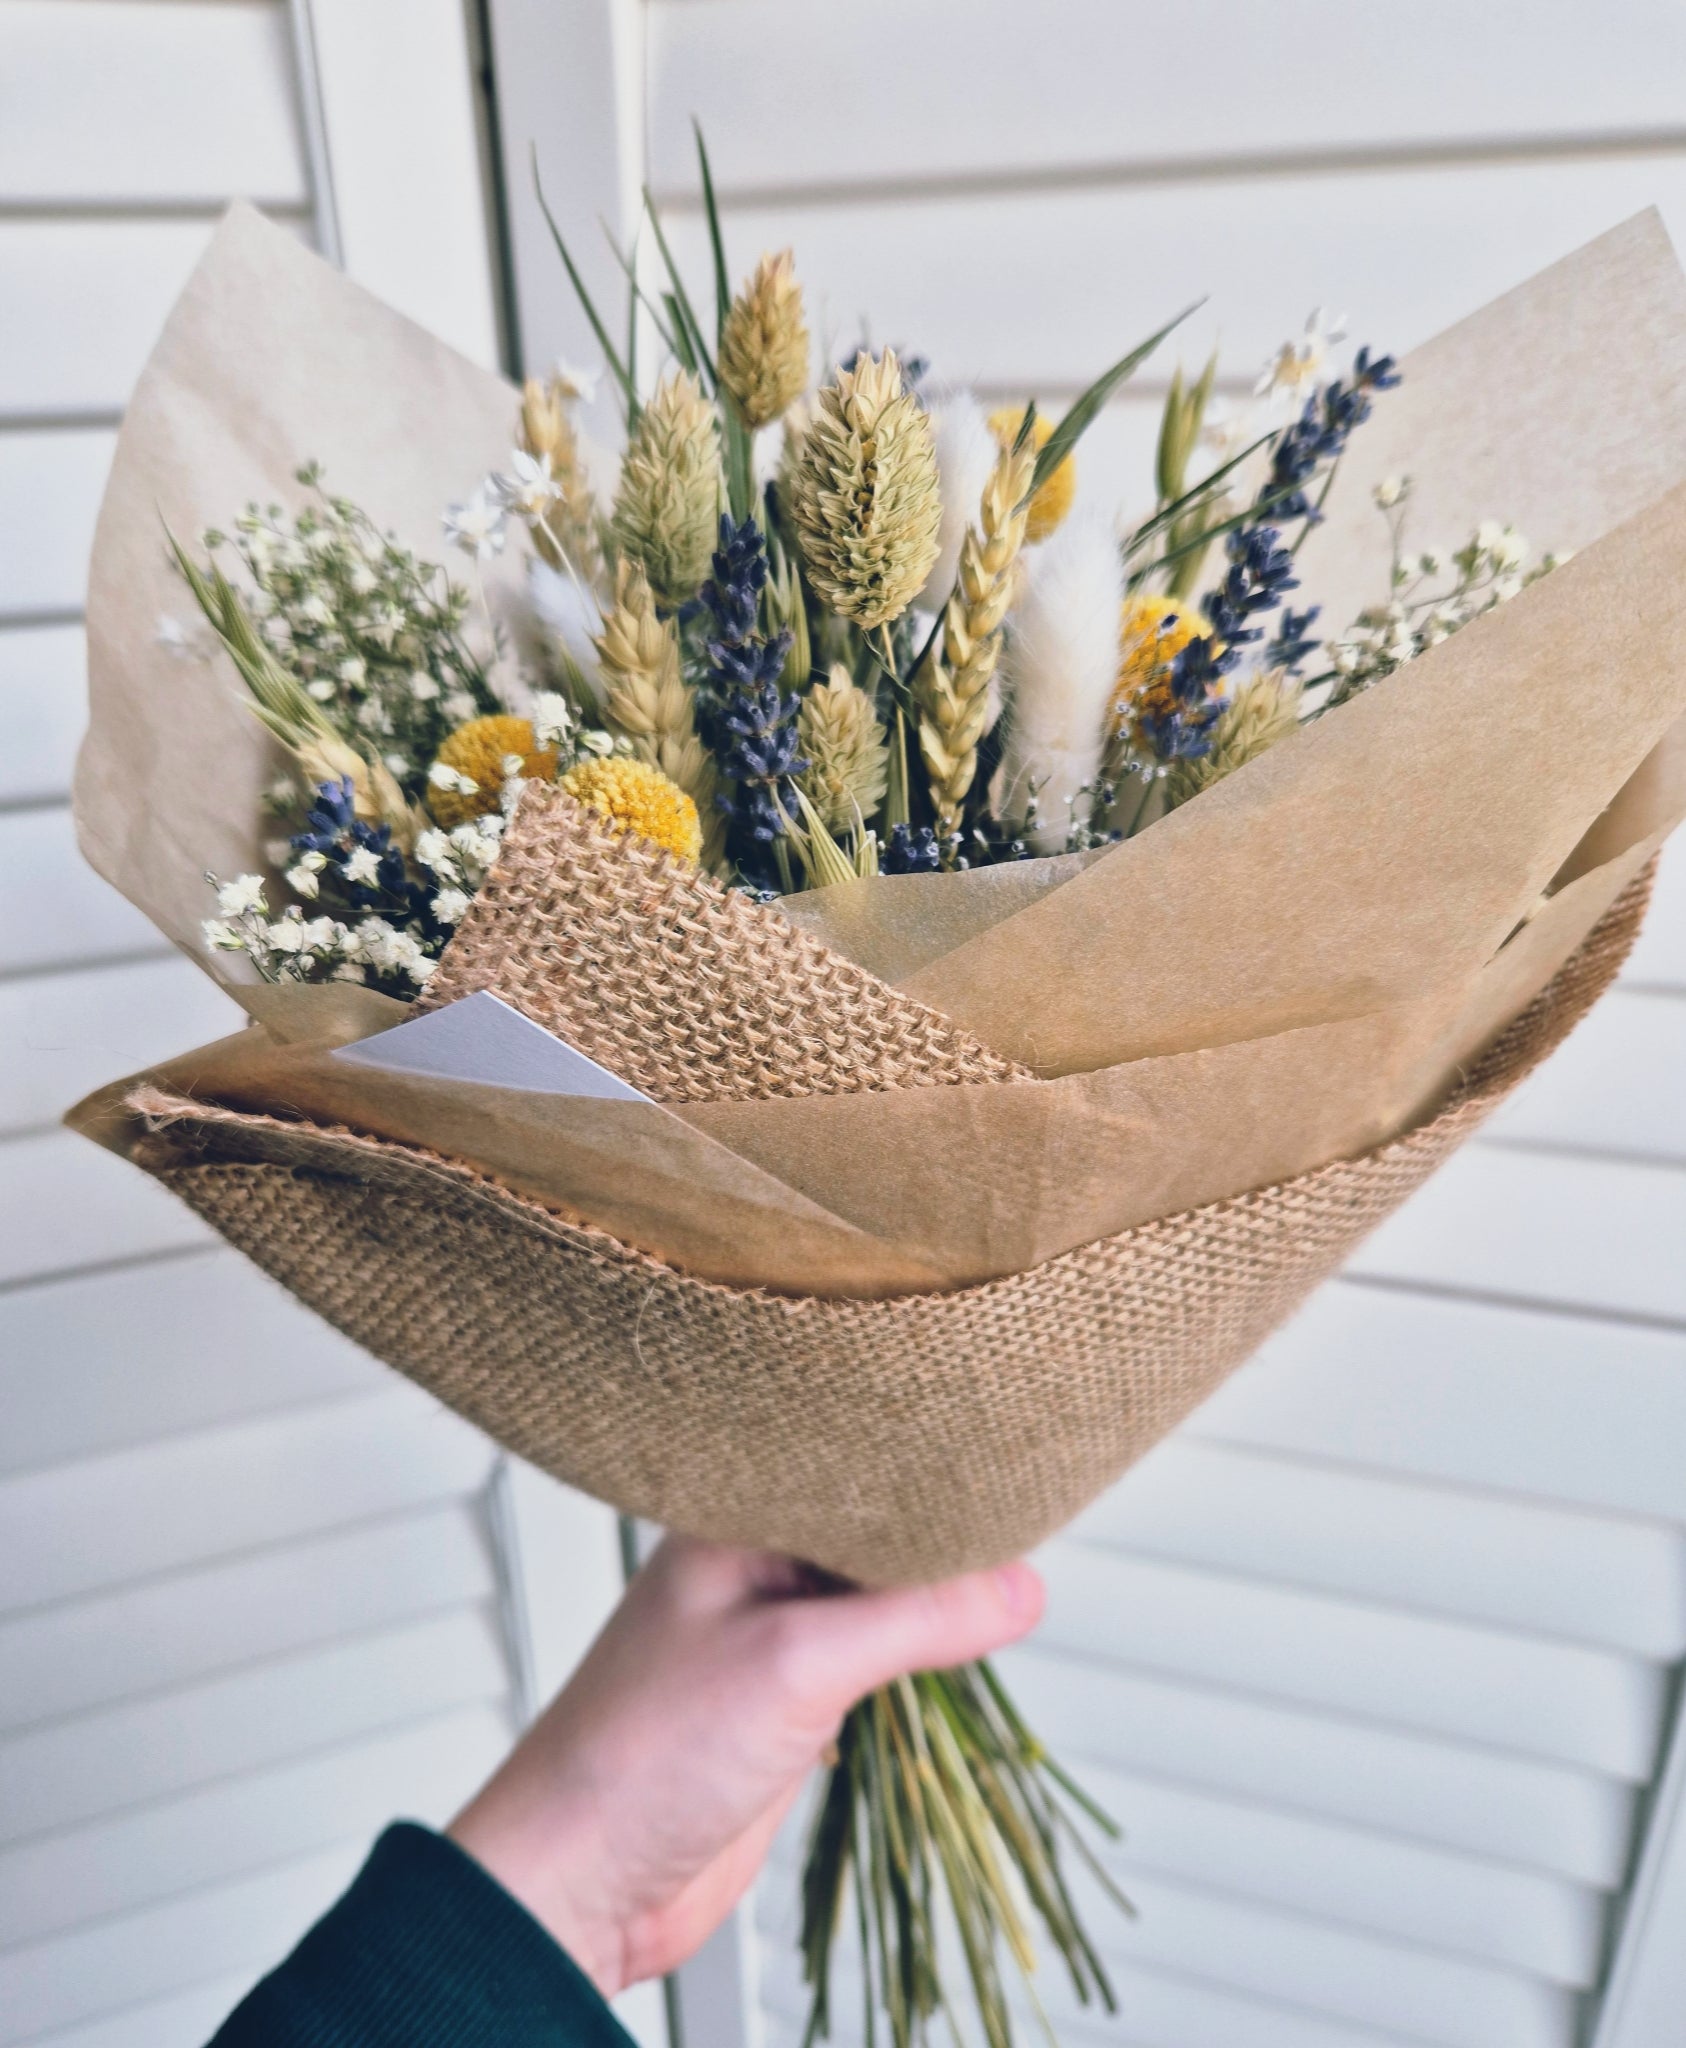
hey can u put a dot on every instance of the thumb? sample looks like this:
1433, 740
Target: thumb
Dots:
852, 1643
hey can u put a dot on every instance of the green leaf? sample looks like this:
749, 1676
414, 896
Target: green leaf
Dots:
681, 333
722, 290
1084, 410
740, 460
1167, 515
1169, 460
629, 390
640, 297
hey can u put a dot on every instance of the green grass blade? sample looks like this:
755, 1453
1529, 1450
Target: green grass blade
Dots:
687, 312
722, 289
618, 369
1083, 411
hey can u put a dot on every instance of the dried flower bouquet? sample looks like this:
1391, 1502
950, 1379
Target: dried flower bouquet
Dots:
1038, 950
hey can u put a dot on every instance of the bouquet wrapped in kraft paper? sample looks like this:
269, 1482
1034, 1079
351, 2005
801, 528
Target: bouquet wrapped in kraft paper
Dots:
916, 1206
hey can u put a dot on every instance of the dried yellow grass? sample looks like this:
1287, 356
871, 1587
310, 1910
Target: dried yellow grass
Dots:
952, 690
568, 534
646, 701
864, 495
764, 346
667, 508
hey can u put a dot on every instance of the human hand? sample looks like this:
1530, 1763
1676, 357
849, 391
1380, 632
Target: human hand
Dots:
631, 1817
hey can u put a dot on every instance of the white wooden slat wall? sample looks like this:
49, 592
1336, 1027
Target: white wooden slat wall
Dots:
252, 1601
1378, 1658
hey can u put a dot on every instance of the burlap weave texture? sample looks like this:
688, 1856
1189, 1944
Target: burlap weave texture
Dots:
691, 992
889, 1441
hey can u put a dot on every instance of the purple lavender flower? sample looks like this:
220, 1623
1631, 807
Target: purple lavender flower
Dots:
746, 720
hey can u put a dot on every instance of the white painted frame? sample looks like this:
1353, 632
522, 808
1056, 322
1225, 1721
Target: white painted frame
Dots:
391, 115
1644, 1999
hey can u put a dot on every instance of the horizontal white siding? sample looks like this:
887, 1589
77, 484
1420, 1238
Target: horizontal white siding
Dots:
250, 1604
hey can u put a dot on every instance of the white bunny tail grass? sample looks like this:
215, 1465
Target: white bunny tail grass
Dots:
568, 618
1059, 672
966, 455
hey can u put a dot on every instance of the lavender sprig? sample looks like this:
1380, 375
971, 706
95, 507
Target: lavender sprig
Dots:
746, 720
1176, 722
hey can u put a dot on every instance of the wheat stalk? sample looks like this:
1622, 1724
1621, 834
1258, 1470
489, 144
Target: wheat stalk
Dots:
567, 536
952, 689
646, 701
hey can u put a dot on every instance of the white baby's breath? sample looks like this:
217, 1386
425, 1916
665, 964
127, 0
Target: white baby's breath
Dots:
244, 893
361, 867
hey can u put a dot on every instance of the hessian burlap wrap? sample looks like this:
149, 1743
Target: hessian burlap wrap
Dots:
889, 1440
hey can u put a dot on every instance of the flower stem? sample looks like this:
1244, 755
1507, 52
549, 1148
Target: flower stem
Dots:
942, 1809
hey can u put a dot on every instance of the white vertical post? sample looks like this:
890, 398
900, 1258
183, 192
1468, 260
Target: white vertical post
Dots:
570, 98
1644, 2004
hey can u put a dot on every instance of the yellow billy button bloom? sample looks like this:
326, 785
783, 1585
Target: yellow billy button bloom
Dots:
1053, 499
635, 797
1153, 630
474, 754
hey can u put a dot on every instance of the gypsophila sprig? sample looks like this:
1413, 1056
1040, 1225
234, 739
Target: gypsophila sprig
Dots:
1432, 595
372, 633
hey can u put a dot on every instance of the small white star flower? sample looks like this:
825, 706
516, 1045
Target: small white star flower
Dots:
303, 882
1391, 491
449, 905
1293, 372
285, 936
530, 490
477, 524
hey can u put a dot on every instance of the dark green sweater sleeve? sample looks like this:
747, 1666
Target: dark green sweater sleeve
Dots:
426, 1950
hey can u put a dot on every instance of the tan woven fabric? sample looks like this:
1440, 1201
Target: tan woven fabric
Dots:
689, 991
893, 1440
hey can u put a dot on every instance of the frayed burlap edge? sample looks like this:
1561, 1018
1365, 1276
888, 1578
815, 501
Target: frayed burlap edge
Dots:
890, 1441
691, 992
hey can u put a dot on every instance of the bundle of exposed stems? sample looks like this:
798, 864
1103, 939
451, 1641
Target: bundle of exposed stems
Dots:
942, 1809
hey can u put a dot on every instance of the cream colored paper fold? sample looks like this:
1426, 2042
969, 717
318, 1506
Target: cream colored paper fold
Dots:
269, 359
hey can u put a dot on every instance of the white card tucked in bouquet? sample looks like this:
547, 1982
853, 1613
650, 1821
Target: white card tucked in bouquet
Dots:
481, 1038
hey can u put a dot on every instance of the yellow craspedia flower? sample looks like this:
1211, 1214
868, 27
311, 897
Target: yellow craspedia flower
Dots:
1053, 501
1152, 631
635, 797
475, 753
